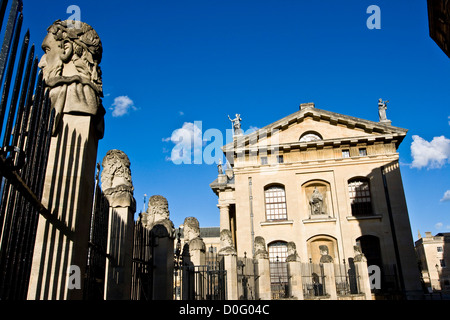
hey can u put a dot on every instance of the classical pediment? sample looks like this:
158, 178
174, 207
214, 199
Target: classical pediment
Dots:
311, 127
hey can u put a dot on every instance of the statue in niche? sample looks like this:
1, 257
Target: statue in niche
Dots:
382, 106
316, 202
260, 248
70, 68
325, 257
226, 243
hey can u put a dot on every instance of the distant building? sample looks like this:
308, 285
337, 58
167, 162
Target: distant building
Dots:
433, 253
319, 178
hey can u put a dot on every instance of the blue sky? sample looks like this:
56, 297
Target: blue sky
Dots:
169, 63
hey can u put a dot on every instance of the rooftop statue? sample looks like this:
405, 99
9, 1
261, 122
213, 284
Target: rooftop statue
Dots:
382, 106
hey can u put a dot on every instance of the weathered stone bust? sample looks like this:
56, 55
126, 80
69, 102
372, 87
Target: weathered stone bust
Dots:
359, 256
158, 215
70, 67
226, 243
325, 257
260, 248
292, 252
191, 229
116, 179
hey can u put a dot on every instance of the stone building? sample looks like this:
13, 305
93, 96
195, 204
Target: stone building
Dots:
433, 253
325, 182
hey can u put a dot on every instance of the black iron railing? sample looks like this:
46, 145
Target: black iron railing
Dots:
26, 120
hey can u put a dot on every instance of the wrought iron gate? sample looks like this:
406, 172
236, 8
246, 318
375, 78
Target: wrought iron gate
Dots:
26, 134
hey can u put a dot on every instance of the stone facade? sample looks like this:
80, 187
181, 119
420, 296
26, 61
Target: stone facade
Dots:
433, 253
320, 180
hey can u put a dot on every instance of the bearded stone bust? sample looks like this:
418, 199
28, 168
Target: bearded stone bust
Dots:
116, 179
70, 68
226, 243
260, 248
157, 217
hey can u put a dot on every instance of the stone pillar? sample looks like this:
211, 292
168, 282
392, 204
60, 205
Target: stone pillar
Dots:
118, 189
360, 262
73, 78
162, 229
328, 269
197, 257
294, 272
224, 216
229, 254
262, 270
330, 280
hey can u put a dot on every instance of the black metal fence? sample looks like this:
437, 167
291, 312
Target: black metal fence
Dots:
347, 279
142, 268
26, 120
279, 279
98, 240
313, 280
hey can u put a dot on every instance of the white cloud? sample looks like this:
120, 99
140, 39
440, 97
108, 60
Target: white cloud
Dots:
180, 113
188, 142
122, 106
439, 225
433, 154
446, 196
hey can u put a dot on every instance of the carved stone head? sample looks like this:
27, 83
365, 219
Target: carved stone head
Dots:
158, 207
292, 252
324, 256
260, 248
116, 179
323, 250
116, 170
226, 243
191, 228
70, 67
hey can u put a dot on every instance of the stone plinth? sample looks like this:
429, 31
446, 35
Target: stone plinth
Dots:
68, 193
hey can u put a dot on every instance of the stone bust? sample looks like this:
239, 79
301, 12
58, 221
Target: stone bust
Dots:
191, 229
292, 252
325, 257
70, 68
158, 214
226, 243
359, 256
260, 248
116, 179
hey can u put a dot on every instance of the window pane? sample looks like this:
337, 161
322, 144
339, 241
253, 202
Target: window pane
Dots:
359, 193
275, 203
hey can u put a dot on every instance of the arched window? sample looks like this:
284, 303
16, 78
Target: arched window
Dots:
310, 136
275, 199
278, 268
360, 199
370, 247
